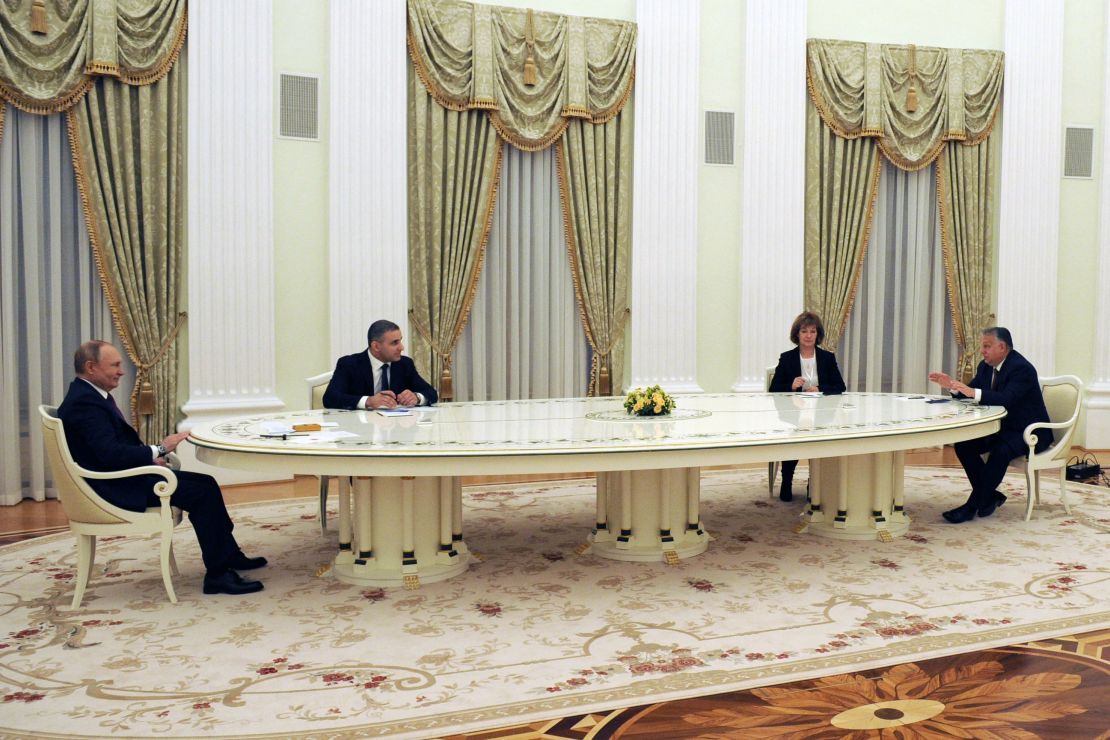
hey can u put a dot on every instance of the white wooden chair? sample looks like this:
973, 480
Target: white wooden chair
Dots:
317, 384
90, 515
1063, 396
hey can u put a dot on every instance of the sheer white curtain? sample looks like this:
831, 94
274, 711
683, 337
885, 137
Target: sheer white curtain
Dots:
900, 327
524, 338
50, 295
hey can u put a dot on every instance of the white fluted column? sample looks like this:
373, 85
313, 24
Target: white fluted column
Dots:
368, 212
773, 233
1098, 393
665, 196
1028, 239
230, 216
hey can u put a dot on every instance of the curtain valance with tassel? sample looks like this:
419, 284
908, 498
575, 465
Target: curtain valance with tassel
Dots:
912, 99
52, 50
533, 71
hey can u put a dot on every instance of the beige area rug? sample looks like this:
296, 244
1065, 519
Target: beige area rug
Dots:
533, 631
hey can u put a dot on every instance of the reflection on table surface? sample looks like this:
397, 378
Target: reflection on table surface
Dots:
584, 424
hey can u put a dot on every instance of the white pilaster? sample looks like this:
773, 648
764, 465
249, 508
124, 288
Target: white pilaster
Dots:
665, 196
1028, 239
773, 233
368, 212
1098, 394
230, 215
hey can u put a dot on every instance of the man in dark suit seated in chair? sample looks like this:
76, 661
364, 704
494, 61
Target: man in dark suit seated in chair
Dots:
379, 377
100, 439
1004, 378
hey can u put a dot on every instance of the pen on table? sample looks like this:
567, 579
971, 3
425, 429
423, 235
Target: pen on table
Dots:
287, 435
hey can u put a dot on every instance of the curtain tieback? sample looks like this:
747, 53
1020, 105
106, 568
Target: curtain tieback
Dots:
142, 397
446, 383
600, 382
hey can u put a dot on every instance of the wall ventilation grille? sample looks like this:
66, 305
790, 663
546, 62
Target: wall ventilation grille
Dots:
720, 137
300, 107
1079, 151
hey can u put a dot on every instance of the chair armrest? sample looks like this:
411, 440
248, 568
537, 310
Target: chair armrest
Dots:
1030, 436
162, 489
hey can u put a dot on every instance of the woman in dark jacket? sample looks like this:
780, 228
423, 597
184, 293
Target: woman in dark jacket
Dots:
808, 368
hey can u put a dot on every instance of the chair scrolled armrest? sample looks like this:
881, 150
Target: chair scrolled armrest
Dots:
1030, 436
163, 489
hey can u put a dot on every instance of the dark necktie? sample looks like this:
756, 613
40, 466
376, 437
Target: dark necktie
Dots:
385, 377
994, 378
115, 408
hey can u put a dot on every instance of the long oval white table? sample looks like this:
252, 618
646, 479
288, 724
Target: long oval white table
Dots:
401, 522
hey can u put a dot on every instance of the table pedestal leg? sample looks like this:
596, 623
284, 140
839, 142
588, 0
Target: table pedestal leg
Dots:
658, 513
346, 554
866, 491
401, 528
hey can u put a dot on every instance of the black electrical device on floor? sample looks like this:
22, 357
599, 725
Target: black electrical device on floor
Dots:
1085, 469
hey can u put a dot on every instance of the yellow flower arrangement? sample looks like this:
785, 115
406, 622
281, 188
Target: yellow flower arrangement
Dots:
652, 401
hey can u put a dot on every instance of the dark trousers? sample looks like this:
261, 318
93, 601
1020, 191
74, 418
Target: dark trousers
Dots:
788, 467
985, 476
200, 496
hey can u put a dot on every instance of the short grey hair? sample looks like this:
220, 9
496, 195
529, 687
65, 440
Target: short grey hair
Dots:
1000, 333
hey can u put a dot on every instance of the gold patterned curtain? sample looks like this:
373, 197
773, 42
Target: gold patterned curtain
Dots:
528, 76
113, 66
915, 104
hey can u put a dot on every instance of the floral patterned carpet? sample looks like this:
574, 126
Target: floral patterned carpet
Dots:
533, 630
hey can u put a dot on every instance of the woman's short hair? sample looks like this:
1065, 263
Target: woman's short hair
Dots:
807, 318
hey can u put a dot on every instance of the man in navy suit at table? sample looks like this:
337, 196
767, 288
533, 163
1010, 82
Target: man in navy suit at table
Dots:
379, 377
1004, 378
100, 439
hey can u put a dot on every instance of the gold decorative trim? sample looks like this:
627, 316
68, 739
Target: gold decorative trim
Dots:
152, 76
102, 68
527, 145
823, 111
45, 108
950, 264
907, 165
607, 115
620, 324
430, 85
877, 169
572, 243
472, 289
896, 159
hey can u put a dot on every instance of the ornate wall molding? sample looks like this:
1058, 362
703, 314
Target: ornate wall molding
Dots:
773, 239
230, 215
1098, 394
1029, 198
367, 215
665, 196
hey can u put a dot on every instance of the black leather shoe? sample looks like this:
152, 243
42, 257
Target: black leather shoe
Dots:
997, 499
960, 514
242, 562
785, 494
230, 582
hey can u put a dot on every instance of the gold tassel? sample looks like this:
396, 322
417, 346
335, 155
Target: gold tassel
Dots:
530, 62
446, 385
146, 398
38, 16
911, 95
603, 388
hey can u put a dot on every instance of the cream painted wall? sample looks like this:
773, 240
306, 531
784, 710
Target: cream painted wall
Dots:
719, 198
301, 209
300, 193
1078, 253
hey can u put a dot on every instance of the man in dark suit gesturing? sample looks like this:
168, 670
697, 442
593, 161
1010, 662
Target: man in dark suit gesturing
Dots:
379, 378
100, 439
1004, 378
